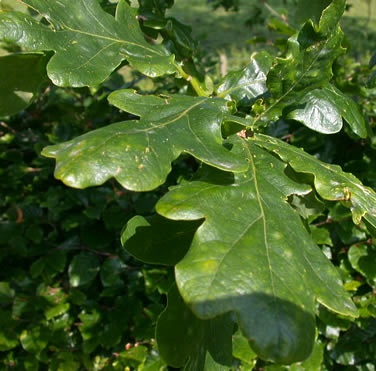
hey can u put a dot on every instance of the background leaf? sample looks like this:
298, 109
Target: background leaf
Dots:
83, 269
362, 258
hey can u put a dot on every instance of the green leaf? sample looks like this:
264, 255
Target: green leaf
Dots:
330, 182
362, 258
83, 269
21, 76
308, 64
6, 293
372, 61
325, 14
323, 110
240, 256
87, 42
307, 9
56, 310
8, 5
158, 240
184, 340
318, 113
35, 339
242, 350
348, 109
110, 272
249, 83
8, 330
138, 154
135, 357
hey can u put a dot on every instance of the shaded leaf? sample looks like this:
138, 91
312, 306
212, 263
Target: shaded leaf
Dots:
307, 9
158, 240
110, 273
241, 253
6, 293
88, 42
185, 340
83, 269
372, 61
8, 331
362, 258
138, 154
313, 362
330, 181
21, 76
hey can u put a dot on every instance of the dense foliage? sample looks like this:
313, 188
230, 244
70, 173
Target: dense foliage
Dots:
223, 233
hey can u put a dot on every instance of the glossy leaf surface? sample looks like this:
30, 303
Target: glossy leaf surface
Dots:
330, 182
138, 154
323, 109
87, 42
253, 256
308, 63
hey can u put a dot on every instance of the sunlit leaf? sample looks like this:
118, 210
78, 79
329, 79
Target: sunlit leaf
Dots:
249, 83
308, 63
241, 253
138, 154
330, 182
87, 42
322, 110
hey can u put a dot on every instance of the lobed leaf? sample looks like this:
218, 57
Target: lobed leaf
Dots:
330, 182
254, 257
308, 64
138, 154
87, 42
